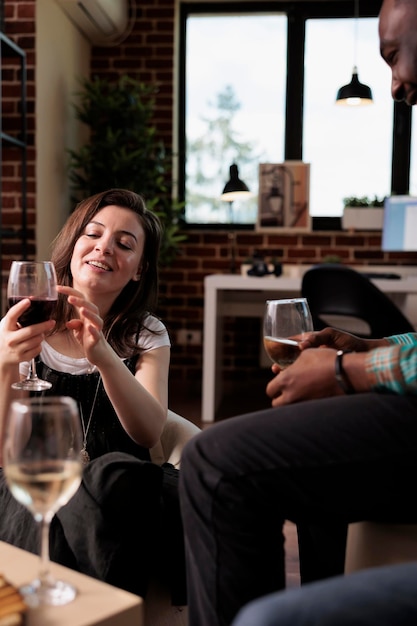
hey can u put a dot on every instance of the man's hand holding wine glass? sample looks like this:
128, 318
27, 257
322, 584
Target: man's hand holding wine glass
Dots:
286, 323
312, 373
310, 376
300, 372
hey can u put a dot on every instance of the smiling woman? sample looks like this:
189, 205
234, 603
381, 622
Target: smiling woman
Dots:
108, 351
112, 243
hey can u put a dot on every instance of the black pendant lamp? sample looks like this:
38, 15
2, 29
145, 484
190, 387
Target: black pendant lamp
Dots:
354, 93
235, 189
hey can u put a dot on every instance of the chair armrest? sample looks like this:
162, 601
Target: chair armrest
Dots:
176, 433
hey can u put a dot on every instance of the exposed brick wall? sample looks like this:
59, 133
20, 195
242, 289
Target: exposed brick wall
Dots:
19, 26
148, 55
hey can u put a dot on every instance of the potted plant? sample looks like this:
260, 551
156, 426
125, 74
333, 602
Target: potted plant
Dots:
123, 151
332, 259
363, 213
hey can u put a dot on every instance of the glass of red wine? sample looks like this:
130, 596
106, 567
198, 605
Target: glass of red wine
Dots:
36, 281
285, 324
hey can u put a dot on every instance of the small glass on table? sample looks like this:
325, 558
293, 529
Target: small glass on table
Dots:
286, 323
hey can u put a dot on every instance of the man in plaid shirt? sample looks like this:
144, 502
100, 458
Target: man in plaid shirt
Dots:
339, 445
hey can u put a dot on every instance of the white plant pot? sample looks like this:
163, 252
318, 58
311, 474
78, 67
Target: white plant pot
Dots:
362, 218
244, 268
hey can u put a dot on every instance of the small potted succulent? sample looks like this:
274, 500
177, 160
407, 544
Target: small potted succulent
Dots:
363, 213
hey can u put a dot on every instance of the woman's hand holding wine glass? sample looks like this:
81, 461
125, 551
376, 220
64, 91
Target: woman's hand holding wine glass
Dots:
42, 466
36, 281
286, 323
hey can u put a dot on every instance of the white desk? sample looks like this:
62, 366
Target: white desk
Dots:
244, 296
97, 603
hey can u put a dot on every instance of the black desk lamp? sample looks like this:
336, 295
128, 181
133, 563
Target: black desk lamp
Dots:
234, 189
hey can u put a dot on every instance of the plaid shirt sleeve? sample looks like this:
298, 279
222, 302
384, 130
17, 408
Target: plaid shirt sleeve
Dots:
394, 368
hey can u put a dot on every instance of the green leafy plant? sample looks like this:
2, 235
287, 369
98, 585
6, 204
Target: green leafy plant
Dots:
331, 258
364, 201
123, 151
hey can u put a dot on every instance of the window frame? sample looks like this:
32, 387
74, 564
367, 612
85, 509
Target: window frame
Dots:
298, 13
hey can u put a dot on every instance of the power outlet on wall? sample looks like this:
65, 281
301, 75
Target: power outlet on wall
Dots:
189, 337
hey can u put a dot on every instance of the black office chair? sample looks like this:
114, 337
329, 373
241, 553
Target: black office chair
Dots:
337, 290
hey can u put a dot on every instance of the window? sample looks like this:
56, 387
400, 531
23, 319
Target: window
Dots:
259, 86
235, 104
349, 148
413, 165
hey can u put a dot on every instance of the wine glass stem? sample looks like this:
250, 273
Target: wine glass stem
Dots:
44, 573
32, 370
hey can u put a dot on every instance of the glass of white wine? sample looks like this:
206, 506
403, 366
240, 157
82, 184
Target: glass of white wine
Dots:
42, 467
286, 323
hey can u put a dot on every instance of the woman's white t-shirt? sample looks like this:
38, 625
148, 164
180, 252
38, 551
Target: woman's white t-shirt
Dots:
62, 363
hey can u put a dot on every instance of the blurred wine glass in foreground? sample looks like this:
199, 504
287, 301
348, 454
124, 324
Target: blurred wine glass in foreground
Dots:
285, 324
42, 466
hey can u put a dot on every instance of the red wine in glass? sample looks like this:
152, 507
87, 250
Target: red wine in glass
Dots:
36, 281
40, 310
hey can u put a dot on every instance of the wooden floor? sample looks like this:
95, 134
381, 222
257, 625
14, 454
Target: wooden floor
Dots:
188, 405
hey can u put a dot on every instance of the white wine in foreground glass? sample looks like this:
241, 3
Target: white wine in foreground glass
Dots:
285, 324
42, 466
36, 281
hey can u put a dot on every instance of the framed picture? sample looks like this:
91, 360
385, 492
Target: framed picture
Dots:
284, 196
